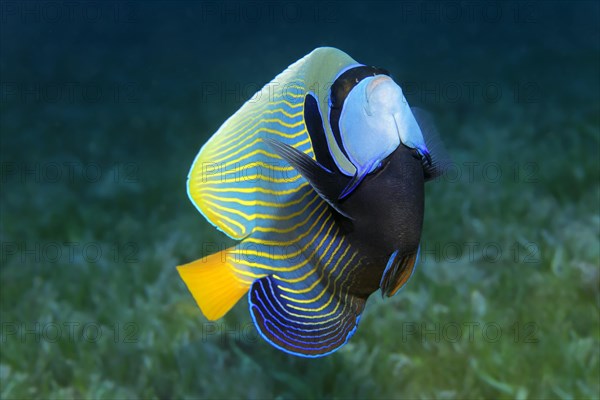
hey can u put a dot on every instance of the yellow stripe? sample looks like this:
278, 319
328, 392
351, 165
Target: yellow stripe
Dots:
204, 160
231, 145
302, 89
251, 178
290, 255
296, 266
260, 215
237, 120
334, 309
257, 140
253, 153
252, 164
215, 158
220, 218
324, 289
303, 277
266, 153
290, 104
290, 242
324, 305
245, 272
257, 190
239, 134
330, 274
295, 95
344, 301
244, 137
250, 120
290, 229
312, 286
256, 202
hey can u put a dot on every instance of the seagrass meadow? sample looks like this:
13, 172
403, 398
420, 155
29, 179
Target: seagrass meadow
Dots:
104, 105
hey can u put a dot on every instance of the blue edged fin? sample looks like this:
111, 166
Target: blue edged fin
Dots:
296, 326
397, 272
327, 184
436, 162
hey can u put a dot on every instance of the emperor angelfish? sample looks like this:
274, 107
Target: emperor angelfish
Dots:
321, 176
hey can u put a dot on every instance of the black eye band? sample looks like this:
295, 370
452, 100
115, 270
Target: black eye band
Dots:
339, 91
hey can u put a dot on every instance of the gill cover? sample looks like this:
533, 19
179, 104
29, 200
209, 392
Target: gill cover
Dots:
375, 119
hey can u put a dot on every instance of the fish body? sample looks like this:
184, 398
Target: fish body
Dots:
322, 180
396, 193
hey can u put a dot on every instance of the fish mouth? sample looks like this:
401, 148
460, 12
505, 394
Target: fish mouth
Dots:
375, 84
377, 80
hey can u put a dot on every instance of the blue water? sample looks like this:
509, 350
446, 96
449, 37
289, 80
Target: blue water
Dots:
103, 106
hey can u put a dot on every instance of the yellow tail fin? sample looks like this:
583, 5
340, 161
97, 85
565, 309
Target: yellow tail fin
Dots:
213, 284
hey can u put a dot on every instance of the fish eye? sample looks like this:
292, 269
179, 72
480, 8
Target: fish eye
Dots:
381, 166
377, 167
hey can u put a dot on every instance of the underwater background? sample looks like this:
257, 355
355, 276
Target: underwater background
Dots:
104, 105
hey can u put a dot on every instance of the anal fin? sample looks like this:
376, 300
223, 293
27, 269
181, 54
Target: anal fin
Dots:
298, 328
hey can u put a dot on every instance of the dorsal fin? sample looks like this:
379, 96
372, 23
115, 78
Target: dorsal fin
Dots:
235, 180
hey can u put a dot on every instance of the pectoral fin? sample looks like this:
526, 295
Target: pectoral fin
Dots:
437, 161
327, 184
397, 272
356, 180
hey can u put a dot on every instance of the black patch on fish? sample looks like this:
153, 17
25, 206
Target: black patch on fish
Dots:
314, 126
387, 210
339, 91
